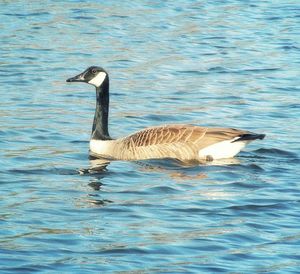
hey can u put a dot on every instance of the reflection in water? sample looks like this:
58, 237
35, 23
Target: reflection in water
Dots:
96, 184
95, 199
98, 170
183, 176
97, 166
192, 174
174, 169
224, 162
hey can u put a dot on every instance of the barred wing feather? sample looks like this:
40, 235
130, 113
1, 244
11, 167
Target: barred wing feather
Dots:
181, 142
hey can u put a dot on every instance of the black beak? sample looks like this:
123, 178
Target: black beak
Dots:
77, 78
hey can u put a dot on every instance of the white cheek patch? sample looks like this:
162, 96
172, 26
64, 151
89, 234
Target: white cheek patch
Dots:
98, 79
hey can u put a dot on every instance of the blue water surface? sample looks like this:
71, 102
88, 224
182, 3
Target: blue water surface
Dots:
212, 63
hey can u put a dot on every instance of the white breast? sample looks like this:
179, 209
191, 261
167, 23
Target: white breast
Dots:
222, 150
100, 147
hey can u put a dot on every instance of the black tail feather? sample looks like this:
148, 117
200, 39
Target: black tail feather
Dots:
249, 137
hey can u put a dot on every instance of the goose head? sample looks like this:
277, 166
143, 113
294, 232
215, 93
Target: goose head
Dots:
93, 75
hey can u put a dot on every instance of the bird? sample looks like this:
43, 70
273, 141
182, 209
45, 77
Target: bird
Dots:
182, 142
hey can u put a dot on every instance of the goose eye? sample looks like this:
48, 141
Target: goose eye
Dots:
94, 71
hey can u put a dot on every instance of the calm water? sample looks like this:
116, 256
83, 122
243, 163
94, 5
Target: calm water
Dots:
212, 63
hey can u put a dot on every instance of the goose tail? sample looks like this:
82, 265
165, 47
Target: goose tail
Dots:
249, 137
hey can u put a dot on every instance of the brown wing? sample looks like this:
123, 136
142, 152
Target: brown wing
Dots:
182, 142
171, 141
166, 135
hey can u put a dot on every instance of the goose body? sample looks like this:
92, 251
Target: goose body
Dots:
181, 142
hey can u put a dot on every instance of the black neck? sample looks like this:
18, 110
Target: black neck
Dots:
100, 125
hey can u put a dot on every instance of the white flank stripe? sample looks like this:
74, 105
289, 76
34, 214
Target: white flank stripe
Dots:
222, 150
98, 79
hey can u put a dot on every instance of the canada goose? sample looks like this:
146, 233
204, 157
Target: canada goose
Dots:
181, 142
